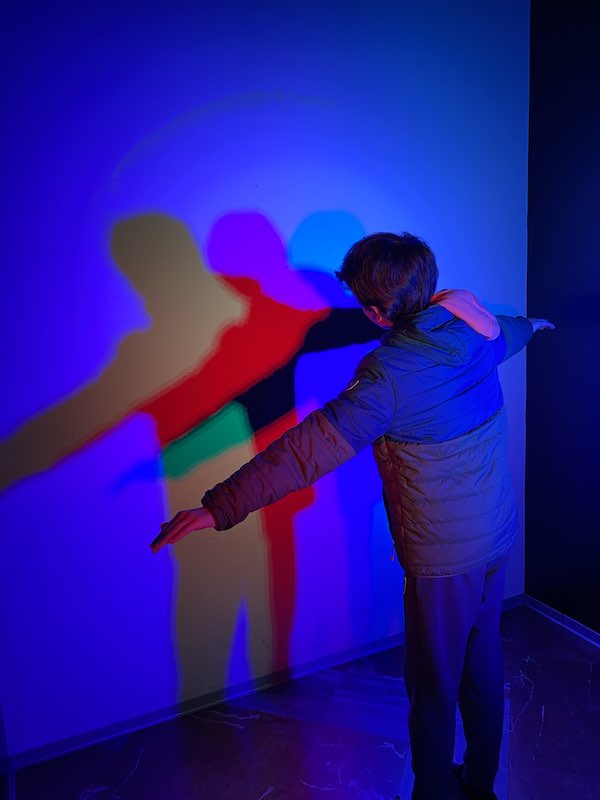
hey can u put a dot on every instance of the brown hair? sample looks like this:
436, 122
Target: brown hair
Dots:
396, 273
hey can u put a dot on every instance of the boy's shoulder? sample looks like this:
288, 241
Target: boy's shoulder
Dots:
412, 348
390, 357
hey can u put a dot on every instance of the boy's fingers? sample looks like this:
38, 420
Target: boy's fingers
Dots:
173, 532
183, 523
164, 537
160, 541
179, 535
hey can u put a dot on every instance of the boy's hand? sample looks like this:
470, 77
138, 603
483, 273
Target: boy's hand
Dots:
541, 324
184, 522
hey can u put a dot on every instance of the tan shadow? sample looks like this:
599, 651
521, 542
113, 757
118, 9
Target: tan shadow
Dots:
216, 572
188, 307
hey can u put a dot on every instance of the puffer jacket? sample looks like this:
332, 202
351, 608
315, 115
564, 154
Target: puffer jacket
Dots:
429, 401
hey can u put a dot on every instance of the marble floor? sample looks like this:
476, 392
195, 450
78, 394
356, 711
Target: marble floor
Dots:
341, 734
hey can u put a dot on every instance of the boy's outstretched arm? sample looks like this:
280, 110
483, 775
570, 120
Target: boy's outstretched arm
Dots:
316, 446
296, 460
515, 333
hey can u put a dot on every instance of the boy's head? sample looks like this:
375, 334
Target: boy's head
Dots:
392, 276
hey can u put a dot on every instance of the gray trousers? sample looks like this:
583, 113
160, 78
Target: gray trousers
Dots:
453, 653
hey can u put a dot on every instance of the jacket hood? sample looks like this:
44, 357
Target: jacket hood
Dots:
433, 329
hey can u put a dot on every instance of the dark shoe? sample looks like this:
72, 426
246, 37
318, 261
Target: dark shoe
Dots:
460, 790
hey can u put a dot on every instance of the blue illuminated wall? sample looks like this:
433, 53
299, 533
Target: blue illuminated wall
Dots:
183, 180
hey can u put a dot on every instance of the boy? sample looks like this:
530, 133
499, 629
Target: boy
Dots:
429, 401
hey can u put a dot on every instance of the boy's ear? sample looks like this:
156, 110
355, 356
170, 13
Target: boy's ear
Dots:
376, 315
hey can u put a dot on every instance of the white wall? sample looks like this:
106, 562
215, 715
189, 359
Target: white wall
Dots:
129, 137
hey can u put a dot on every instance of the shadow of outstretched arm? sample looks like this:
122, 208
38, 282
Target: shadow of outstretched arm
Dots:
188, 307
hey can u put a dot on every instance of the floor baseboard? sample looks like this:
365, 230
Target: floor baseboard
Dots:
563, 620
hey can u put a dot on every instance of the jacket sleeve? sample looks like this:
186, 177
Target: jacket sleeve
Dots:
365, 410
515, 333
295, 460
